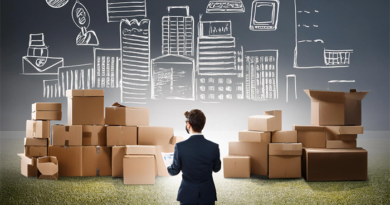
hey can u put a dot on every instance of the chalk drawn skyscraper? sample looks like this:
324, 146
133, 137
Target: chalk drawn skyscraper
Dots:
135, 55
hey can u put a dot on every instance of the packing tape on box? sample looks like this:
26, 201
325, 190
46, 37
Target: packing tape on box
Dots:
97, 172
66, 143
66, 128
98, 149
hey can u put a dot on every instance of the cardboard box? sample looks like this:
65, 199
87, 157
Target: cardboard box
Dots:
340, 144
46, 106
40, 142
35, 151
284, 137
161, 137
258, 153
64, 135
311, 136
333, 132
346, 137
253, 136
294, 149
285, 160
236, 167
28, 167
334, 164
37, 129
118, 152
121, 135
139, 169
69, 158
141, 149
94, 135
118, 114
336, 108
96, 161
47, 168
46, 111
270, 121
176, 139
85, 107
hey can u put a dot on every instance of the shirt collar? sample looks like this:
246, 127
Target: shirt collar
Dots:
195, 134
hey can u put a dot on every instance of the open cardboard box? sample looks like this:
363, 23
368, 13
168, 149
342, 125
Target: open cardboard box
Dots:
28, 167
119, 114
47, 167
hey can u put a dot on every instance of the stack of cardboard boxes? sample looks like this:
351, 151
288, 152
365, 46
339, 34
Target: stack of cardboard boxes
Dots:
330, 152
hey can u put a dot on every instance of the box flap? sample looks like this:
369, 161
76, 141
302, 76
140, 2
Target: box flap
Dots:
140, 149
237, 157
285, 149
47, 165
324, 150
261, 116
35, 142
116, 104
26, 159
326, 96
343, 130
86, 93
357, 95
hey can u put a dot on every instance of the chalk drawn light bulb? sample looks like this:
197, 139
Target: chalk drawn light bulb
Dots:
81, 18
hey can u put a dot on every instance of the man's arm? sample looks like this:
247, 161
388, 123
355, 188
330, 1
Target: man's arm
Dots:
175, 168
216, 160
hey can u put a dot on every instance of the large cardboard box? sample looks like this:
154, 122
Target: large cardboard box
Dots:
121, 135
285, 160
94, 135
35, 147
341, 144
96, 161
46, 111
236, 167
334, 132
85, 107
284, 137
69, 159
258, 153
47, 167
118, 114
336, 108
311, 136
161, 137
118, 152
140, 149
37, 129
334, 164
64, 135
28, 167
270, 121
254, 136
139, 169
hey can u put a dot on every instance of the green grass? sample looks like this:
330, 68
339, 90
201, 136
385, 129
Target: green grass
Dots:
17, 189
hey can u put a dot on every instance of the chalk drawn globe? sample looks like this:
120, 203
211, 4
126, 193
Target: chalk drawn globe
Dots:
57, 3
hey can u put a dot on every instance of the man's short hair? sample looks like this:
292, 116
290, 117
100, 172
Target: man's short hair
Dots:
196, 118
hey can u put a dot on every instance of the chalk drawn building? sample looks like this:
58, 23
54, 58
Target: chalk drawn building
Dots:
107, 72
122, 9
51, 89
75, 77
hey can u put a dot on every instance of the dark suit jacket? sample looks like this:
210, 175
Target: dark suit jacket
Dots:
197, 158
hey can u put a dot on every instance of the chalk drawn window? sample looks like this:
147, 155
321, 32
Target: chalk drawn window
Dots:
211, 80
202, 80
229, 88
202, 88
229, 81
211, 88
220, 80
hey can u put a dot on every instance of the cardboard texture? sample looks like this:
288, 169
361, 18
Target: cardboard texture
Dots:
118, 114
85, 107
236, 167
46, 115
141, 149
28, 167
41, 142
288, 166
334, 164
294, 149
46, 106
336, 108
121, 135
270, 121
176, 139
96, 161
311, 136
118, 152
47, 168
139, 169
69, 158
37, 129
258, 153
253, 136
67, 135
340, 144
161, 137
333, 132
35, 151
94, 135
285, 137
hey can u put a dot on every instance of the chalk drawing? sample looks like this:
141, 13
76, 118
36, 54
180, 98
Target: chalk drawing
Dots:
82, 20
122, 9
295, 85
75, 77
264, 15
51, 89
225, 6
56, 3
107, 70
340, 81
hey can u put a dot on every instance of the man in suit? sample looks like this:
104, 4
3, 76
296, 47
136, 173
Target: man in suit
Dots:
197, 158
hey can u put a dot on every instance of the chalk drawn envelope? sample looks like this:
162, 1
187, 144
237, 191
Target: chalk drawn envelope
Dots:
34, 65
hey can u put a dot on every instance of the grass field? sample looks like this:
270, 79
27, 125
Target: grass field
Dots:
17, 189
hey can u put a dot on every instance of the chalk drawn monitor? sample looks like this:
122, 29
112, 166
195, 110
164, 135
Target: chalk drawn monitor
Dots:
264, 15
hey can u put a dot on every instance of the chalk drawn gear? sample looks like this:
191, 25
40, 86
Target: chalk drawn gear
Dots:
81, 18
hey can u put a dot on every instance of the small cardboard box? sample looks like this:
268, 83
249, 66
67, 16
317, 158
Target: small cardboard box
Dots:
139, 169
39, 142
118, 152
336, 108
47, 167
254, 136
46, 111
284, 137
294, 149
161, 137
96, 161
311, 136
94, 135
118, 114
28, 167
258, 153
340, 144
35, 151
69, 158
85, 107
140, 149
334, 164
346, 137
37, 129
285, 160
236, 167
270, 121
121, 135
333, 132
47, 106
64, 135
